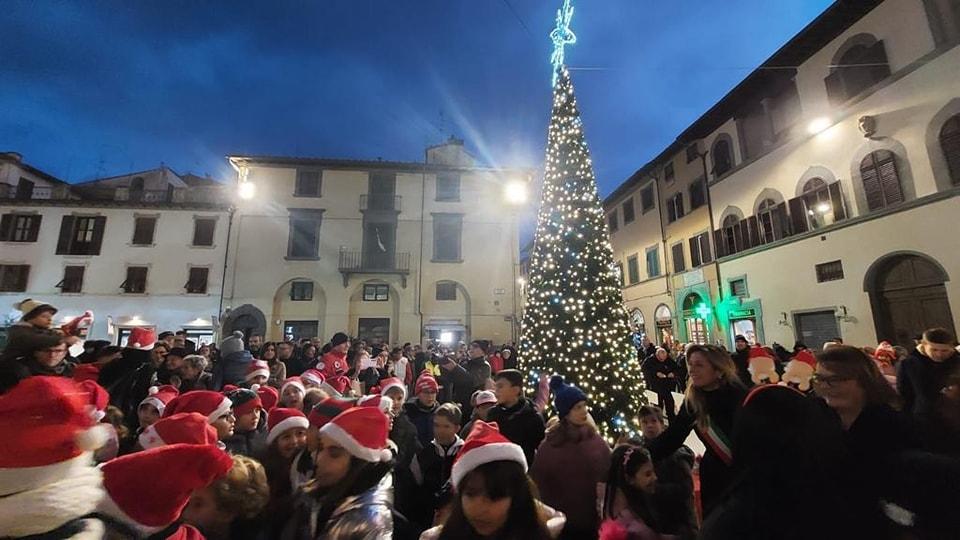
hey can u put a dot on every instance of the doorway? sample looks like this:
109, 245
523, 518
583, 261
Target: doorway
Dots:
374, 330
297, 330
908, 295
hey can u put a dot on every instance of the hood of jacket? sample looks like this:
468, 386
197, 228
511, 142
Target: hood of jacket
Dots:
366, 515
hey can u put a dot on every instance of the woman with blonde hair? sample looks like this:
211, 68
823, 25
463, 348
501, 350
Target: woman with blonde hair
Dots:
231, 505
714, 396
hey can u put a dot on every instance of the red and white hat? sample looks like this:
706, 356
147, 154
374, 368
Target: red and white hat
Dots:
312, 377
47, 432
181, 428
377, 402
295, 382
150, 509
281, 419
483, 397
86, 372
268, 396
806, 357
390, 383
361, 431
99, 399
160, 396
211, 404
885, 352
426, 382
257, 368
327, 409
485, 444
141, 338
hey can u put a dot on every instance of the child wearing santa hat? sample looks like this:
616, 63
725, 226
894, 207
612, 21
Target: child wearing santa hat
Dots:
494, 497
350, 495
215, 406
258, 372
250, 430
180, 428
175, 471
292, 392
420, 409
287, 435
230, 507
48, 482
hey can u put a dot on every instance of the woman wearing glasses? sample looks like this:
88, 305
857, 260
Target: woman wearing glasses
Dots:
714, 396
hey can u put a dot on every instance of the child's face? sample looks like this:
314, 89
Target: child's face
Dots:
395, 395
43, 320
259, 379
291, 441
427, 397
148, 415
292, 397
444, 430
248, 421
645, 479
487, 516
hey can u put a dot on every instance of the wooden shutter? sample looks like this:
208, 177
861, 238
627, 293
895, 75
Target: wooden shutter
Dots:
798, 215
6, 227
671, 211
694, 252
739, 238
781, 227
23, 274
718, 241
871, 183
679, 205
99, 224
836, 90
66, 234
890, 181
950, 144
836, 200
34, 231
705, 255
679, 264
753, 232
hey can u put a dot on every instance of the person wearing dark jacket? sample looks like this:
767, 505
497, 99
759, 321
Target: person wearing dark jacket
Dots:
741, 358
477, 365
661, 373
457, 384
516, 415
250, 430
674, 496
233, 363
33, 332
509, 355
922, 375
712, 401
420, 409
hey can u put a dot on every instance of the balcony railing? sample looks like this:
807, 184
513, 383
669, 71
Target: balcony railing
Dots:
358, 262
376, 201
8, 191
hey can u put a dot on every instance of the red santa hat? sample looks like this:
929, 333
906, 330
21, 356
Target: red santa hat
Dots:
257, 368
313, 377
485, 444
426, 382
294, 382
377, 402
47, 432
361, 431
99, 399
141, 338
211, 404
885, 352
327, 409
160, 396
86, 372
268, 396
181, 428
806, 357
282, 419
174, 473
391, 383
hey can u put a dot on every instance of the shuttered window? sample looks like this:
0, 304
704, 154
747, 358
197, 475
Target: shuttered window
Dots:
881, 179
81, 235
646, 199
197, 280
447, 236
308, 183
700, 250
20, 227
628, 214
446, 290
13, 277
633, 269
143, 229
72, 281
950, 144
136, 282
679, 263
203, 229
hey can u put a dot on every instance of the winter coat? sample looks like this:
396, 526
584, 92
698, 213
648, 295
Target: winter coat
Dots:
367, 516
204, 381
458, 386
522, 424
479, 369
23, 338
333, 363
496, 363
430, 470
248, 443
567, 470
665, 384
278, 374
295, 364
404, 435
510, 363
742, 360
674, 497
422, 418
919, 381
554, 519
722, 406
231, 369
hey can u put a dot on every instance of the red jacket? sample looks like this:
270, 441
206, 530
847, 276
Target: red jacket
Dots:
496, 363
333, 364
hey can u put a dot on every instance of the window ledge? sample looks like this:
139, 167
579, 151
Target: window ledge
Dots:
19, 242
77, 256
193, 246
451, 261
292, 258
307, 196
134, 294
131, 244
448, 200
196, 294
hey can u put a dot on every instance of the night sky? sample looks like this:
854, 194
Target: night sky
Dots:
100, 88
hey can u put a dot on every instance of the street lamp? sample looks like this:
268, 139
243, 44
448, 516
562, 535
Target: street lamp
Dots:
515, 192
247, 190
817, 125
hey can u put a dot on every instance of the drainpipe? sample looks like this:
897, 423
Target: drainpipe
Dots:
223, 275
423, 203
663, 242
712, 239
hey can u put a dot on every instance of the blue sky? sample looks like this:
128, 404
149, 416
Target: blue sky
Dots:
100, 88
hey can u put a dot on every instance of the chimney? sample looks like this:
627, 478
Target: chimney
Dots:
450, 153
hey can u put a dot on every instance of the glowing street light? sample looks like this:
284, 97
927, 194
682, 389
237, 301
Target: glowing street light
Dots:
247, 190
817, 125
515, 192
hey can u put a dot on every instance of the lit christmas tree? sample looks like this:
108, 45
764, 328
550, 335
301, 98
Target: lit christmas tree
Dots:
574, 322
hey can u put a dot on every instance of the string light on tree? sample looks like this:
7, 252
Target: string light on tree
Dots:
574, 323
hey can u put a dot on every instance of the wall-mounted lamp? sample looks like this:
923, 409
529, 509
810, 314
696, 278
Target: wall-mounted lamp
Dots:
842, 314
783, 319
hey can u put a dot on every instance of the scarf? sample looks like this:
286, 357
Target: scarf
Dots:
52, 505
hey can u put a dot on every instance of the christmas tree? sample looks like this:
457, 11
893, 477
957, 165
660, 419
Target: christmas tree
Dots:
574, 322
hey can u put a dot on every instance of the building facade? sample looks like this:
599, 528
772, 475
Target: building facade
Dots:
145, 249
833, 173
391, 252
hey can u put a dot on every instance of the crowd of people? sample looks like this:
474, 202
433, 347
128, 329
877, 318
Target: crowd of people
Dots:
342, 439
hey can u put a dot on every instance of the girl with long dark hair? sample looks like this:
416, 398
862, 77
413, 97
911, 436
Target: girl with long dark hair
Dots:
627, 503
494, 497
278, 371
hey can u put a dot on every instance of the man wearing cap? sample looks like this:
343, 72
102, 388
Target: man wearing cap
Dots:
334, 362
34, 331
482, 401
457, 384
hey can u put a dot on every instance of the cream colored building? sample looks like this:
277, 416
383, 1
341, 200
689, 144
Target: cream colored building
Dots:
389, 251
833, 174
144, 249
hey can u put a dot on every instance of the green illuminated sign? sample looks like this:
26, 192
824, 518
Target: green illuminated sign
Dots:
742, 314
703, 311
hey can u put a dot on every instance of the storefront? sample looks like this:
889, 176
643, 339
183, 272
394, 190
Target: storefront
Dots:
638, 326
663, 319
743, 322
695, 314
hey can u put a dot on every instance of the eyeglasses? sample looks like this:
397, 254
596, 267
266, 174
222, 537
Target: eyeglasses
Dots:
828, 381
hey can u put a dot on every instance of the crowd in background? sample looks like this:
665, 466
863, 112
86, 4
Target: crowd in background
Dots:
340, 438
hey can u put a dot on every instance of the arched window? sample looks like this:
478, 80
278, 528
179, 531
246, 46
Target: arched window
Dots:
732, 235
862, 63
722, 158
766, 220
817, 204
950, 144
881, 179
136, 188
